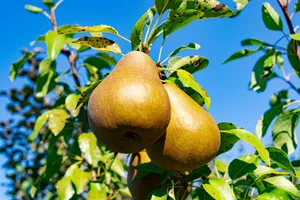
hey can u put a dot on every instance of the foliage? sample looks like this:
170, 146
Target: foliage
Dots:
52, 153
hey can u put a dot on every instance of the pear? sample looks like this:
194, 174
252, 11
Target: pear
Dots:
192, 138
141, 188
130, 109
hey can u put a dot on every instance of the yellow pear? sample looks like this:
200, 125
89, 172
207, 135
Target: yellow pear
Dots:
192, 138
141, 188
130, 109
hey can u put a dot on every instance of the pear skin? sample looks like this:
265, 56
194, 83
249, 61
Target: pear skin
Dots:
192, 138
130, 109
141, 188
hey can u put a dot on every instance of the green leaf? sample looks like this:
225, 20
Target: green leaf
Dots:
242, 166
118, 167
46, 78
222, 166
18, 65
227, 140
292, 56
197, 173
265, 120
39, 123
41, 38
194, 95
99, 43
281, 159
97, 191
64, 188
189, 11
156, 33
90, 29
107, 58
57, 120
295, 36
33, 9
188, 80
94, 65
263, 71
284, 131
85, 96
275, 194
165, 176
271, 18
163, 5
241, 54
262, 171
80, 178
89, 148
282, 183
54, 159
193, 46
137, 31
240, 5
49, 3
297, 6
219, 189
71, 102
255, 42
160, 194
149, 167
252, 140
33, 191
191, 64
54, 43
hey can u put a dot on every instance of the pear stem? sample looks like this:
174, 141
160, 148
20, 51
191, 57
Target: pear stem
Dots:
160, 50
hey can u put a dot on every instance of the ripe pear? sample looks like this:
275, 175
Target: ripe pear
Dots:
141, 188
130, 109
192, 138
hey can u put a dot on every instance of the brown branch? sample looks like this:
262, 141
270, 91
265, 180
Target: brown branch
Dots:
285, 10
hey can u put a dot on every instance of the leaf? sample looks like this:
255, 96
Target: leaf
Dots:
242, 166
18, 65
297, 6
57, 120
107, 58
39, 123
156, 33
281, 159
263, 71
99, 43
227, 140
165, 176
33, 9
149, 167
265, 120
80, 178
54, 159
49, 3
191, 64
33, 191
295, 36
275, 194
241, 54
271, 18
137, 31
188, 80
54, 43
282, 183
89, 148
292, 57
163, 5
240, 5
160, 194
222, 166
41, 38
90, 29
194, 95
97, 191
197, 173
189, 11
262, 171
64, 188
252, 140
193, 46
118, 167
255, 42
94, 65
219, 189
71, 102
87, 93
46, 78
284, 131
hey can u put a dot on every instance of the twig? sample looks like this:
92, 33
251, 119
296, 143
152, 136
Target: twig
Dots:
290, 84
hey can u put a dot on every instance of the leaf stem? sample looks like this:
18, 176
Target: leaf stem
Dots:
167, 58
285, 79
124, 38
147, 33
160, 50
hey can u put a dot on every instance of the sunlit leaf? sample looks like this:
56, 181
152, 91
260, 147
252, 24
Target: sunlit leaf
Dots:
90, 29
271, 18
188, 80
219, 189
284, 184
89, 148
18, 65
100, 43
275, 194
39, 123
281, 159
242, 166
284, 131
57, 120
163, 5
55, 43
156, 33
118, 167
80, 179
221, 166
46, 78
97, 191
137, 31
240, 5
71, 102
64, 188
255, 42
33, 9
241, 54
227, 140
191, 64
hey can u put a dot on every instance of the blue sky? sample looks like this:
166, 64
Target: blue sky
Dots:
227, 84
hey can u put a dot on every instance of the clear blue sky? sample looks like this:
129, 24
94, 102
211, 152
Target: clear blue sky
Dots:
226, 84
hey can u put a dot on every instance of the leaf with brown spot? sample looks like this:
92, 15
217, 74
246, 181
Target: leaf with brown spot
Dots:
99, 43
87, 93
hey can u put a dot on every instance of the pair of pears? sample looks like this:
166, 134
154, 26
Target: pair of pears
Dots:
131, 110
